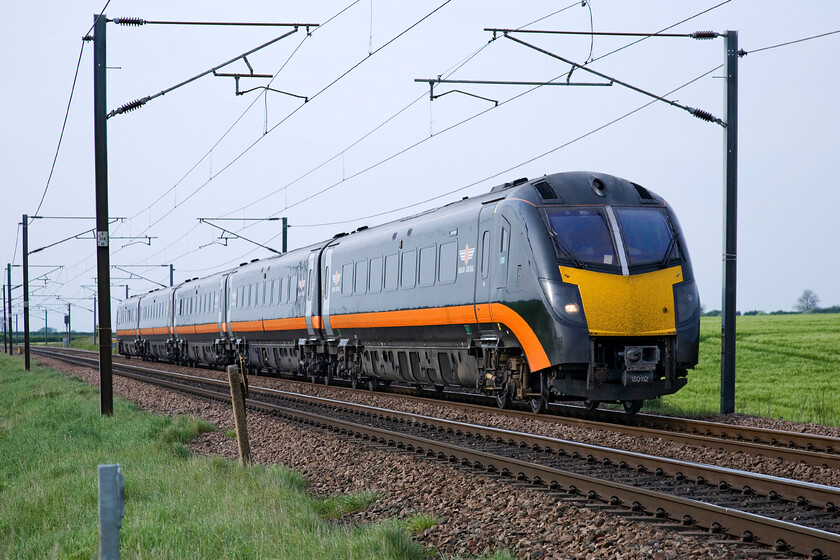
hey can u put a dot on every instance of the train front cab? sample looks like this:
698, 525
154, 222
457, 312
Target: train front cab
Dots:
626, 278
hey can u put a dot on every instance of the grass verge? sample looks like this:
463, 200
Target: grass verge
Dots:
177, 505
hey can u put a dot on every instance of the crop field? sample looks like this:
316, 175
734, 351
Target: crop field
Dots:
788, 366
177, 505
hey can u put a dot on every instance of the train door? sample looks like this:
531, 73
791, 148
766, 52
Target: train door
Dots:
484, 275
311, 314
327, 288
223, 315
499, 254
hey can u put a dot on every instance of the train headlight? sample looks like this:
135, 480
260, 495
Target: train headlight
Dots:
687, 301
565, 300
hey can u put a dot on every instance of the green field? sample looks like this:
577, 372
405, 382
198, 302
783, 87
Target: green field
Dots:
177, 505
788, 366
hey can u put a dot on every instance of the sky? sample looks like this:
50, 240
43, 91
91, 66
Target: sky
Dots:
370, 146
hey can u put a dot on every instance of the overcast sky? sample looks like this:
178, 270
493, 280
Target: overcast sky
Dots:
372, 142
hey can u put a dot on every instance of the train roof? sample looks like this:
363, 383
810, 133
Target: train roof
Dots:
573, 188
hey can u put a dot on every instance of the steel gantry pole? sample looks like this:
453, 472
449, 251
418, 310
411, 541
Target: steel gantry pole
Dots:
9, 288
5, 332
103, 273
730, 224
26, 291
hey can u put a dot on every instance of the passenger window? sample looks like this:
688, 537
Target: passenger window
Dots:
427, 266
448, 262
347, 279
408, 269
505, 240
376, 275
360, 283
391, 272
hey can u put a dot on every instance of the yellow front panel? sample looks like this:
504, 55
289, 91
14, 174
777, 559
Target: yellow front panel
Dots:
634, 305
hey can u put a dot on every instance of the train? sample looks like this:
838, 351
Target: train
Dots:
574, 286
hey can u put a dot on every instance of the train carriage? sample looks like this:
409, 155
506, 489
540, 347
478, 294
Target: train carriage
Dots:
197, 333
128, 327
267, 307
155, 325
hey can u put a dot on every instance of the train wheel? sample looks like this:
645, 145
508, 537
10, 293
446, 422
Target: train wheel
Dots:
538, 404
632, 407
503, 399
591, 405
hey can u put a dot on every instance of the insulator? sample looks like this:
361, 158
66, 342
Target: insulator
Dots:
704, 35
133, 22
128, 107
703, 115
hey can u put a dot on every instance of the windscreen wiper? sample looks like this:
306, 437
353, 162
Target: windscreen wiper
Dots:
568, 252
667, 258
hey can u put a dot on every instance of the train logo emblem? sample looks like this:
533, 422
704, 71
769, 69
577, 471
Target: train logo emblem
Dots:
465, 255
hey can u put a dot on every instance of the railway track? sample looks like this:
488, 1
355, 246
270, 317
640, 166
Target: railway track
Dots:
796, 447
789, 516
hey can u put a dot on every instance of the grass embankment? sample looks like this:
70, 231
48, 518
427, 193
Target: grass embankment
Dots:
786, 366
177, 505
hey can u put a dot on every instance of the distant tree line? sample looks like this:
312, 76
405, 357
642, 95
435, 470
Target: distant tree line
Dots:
808, 302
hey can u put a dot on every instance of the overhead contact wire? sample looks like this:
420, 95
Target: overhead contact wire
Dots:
67, 111
467, 120
325, 88
480, 113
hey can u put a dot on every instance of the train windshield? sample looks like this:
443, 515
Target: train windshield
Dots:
649, 238
583, 237
586, 237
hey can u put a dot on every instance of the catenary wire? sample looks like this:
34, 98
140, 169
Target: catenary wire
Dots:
293, 112
511, 168
793, 42
475, 116
448, 73
468, 119
67, 111
394, 155
241, 116
413, 145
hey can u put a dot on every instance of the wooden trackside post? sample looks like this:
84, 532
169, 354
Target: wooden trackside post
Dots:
237, 395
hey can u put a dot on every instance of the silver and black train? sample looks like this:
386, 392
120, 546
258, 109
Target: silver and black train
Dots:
573, 286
